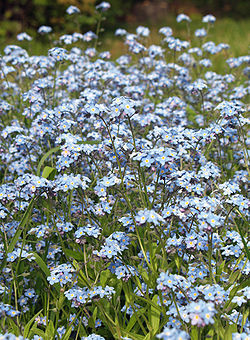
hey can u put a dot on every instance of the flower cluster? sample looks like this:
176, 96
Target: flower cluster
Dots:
61, 274
80, 296
123, 196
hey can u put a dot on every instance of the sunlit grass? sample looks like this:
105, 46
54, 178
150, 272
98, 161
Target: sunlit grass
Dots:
234, 32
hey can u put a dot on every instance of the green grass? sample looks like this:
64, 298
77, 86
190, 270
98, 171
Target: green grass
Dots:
234, 32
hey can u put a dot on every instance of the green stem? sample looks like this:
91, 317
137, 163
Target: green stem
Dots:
125, 194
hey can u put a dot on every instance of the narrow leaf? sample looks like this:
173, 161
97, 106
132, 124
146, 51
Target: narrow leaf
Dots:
90, 142
49, 173
229, 331
36, 331
28, 325
67, 334
155, 315
41, 264
50, 331
74, 254
50, 152
22, 224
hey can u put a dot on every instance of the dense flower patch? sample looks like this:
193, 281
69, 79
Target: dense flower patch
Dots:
123, 196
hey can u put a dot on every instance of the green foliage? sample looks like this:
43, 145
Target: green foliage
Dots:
27, 327
45, 156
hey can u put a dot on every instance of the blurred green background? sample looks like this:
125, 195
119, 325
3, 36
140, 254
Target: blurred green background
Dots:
232, 26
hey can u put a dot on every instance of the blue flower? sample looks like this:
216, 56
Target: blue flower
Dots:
142, 31
173, 334
72, 10
44, 29
209, 18
183, 17
58, 53
23, 36
103, 6
239, 300
200, 33
62, 274
92, 337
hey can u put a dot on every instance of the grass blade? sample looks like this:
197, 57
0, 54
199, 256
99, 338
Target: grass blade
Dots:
50, 152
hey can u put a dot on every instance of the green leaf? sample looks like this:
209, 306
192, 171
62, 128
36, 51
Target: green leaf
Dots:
177, 261
90, 142
41, 264
148, 301
219, 329
67, 334
243, 284
49, 173
50, 152
28, 325
82, 277
243, 240
20, 228
228, 305
135, 336
36, 331
233, 277
194, 333
45, 269
191, 114
50, 331
144, 274
60, 302
210, 334
131, 323
105, 274
133, 319
74, 254
245, 316
155, 315
229, 331
92, 319
14, 328
220, 268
